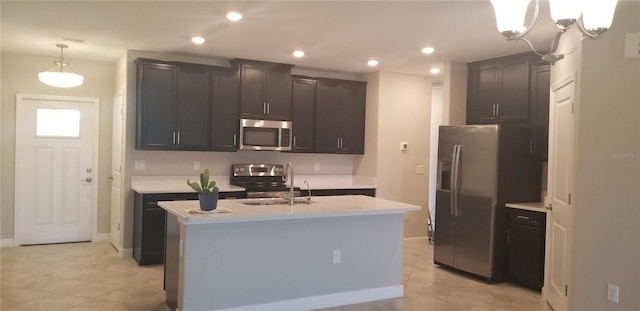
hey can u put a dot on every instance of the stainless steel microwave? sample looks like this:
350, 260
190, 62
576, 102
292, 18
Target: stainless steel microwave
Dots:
265, 135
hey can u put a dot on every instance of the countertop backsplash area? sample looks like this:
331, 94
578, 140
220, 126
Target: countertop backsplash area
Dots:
182, 163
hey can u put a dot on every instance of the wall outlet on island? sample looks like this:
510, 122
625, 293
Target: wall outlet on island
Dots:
336, 256
317, 167
196, 165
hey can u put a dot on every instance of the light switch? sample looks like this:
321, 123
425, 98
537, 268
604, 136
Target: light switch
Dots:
404, 146
140, 165
419, 169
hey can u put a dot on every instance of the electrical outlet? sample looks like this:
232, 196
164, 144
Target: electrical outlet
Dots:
196, 165
406, 216
419, 169
140, 165
336, 256
404, 146
317, 167
613, 293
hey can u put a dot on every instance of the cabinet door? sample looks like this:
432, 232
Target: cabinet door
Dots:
192, 107
328, 120
153, 226
303, 99
484, 88
526, 255
278, 93
252, 90
513, 105
351, 116
540, 91
155, 109
224, 111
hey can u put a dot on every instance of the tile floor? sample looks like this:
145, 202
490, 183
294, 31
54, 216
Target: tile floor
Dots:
92, 277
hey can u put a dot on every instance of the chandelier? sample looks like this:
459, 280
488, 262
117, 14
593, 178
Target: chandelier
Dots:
597, 16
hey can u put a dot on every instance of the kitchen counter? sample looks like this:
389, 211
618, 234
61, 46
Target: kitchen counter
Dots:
178, 184
326, 206
339, 250
529, 206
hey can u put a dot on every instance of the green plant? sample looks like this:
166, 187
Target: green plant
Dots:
205, 186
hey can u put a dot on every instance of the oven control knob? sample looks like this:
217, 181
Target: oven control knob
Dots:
242, 169
236, 170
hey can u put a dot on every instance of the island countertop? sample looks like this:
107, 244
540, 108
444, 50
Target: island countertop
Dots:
322, 206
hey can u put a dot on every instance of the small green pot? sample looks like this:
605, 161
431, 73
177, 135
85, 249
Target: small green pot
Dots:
208, 202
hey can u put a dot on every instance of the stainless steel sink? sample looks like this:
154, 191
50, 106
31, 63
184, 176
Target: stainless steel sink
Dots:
275, 201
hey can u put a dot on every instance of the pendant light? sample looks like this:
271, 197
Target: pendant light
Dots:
60, 75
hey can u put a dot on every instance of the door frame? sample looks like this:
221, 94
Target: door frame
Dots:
20, 97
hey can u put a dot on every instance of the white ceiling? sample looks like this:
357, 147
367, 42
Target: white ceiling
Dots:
336, 35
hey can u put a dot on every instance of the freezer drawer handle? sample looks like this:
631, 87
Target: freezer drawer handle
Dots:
523, 217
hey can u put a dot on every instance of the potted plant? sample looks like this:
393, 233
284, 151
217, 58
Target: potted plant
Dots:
207, 191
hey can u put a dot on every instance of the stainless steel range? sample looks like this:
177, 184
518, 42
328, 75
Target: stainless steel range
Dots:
261, 180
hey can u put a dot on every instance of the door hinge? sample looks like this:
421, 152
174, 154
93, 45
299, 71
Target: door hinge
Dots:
566, 290
118, 227
569, 198
572, 107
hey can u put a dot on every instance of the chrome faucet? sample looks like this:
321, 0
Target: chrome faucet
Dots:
308, 192
288, 171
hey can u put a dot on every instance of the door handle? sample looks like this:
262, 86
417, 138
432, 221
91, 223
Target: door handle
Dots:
110, 177
88, 179
549, 207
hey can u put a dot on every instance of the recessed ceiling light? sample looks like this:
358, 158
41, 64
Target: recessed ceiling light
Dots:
234, 16
435, 70
428, 50
372, 63
298, 53
197, 40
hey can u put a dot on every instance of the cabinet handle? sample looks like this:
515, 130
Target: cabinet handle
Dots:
523, 217
338, 143
234, 139
294, 141
493, 111
268, 108
178, 138
497, 110
264, 108
174, 138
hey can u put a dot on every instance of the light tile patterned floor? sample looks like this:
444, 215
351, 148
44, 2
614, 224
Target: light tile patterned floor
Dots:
92, 277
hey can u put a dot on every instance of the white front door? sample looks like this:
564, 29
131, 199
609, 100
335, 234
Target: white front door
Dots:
559, 186
116, 172
55, 169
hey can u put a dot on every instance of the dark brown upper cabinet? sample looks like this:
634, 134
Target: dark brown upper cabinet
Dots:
303, 92
340, 116
265, 90
499, 90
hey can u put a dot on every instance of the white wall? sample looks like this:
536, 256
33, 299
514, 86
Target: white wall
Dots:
606, 243
20, 75
403, 115
607, 203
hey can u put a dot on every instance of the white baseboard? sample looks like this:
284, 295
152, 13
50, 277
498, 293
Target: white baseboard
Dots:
102, 237
126, 252
6, 243
328, 301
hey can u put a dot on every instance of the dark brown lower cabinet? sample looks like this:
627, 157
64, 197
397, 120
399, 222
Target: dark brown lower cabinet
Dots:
149, 224
526, 238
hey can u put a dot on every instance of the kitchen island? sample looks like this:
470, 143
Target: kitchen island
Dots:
338, 250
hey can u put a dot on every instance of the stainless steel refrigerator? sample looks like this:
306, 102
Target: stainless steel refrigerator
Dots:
480, 168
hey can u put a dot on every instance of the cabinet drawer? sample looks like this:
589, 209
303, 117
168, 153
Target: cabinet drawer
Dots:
530, 218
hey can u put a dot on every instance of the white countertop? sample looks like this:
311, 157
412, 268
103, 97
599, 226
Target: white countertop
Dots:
528, 206
325, 206
178, 184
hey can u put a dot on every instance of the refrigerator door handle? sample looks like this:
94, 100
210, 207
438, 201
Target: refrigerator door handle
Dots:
454, 180
456, 175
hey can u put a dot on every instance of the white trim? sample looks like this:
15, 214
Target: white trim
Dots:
126, 252
96, 129
6, 243
328, 301
417, 238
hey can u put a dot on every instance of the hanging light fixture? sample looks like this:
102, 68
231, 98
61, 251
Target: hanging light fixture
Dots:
597, 17
57, 76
